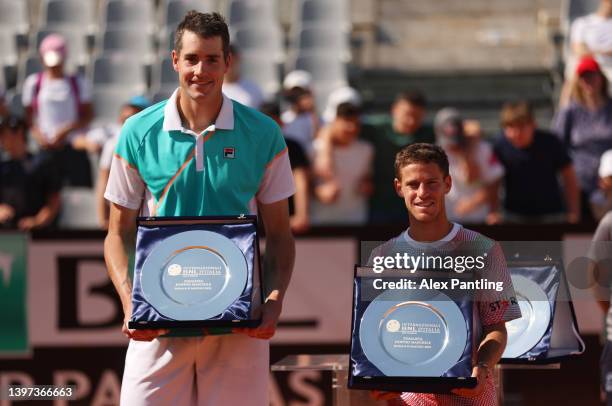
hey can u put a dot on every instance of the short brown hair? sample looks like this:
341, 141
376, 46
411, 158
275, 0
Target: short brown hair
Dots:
206, 25
414, 97
421, 153
513, 113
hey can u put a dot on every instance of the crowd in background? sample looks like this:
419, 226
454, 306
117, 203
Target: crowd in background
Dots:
343, 158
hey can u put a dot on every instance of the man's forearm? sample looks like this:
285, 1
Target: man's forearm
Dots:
278, 265
492, 345
116, 257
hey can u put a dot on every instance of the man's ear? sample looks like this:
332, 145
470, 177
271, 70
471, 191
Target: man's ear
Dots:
228, 61
448, 184
175, 60
398, 187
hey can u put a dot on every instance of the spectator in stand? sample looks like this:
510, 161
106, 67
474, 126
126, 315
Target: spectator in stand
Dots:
601, 199
534, 159
342, 192
301, 121
58, 106
388, 135
299, 205
29, 184
474, 168
592, 35
111, 133
585, 126
236, 87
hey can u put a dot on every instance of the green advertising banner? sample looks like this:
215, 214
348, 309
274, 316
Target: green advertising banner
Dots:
13, 294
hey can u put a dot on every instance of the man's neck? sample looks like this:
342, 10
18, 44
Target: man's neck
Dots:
430, 231
197, 115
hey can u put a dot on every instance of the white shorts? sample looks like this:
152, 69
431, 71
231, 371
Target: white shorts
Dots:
230, 369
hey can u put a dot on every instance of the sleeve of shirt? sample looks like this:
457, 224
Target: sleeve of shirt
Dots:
106, 157
560, 154
125, 185
577, 31
27, 92
84, 90
493, 306
277, 182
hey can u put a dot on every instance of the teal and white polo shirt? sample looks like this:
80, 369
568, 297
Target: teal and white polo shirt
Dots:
167, 170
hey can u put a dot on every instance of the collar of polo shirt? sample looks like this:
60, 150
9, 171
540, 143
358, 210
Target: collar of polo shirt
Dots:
172, 119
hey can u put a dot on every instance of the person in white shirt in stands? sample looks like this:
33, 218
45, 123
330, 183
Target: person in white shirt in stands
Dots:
474, 168
238, 88
342, 191
58, 106
301, 121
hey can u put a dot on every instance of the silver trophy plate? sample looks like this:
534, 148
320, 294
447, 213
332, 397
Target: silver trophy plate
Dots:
194, 275
420, 334
524, 333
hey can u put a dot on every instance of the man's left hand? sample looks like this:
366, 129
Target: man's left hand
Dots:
270, 313
480, 374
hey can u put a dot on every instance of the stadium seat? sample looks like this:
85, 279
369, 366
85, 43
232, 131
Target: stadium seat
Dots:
129, 13
264, 39
316, 37
107, 103
8, 55
328, 12
164, 78
128, 40
262, 70
13, 102
175, 10
30, 64
251, 12
119, 71
71, 14
14, 17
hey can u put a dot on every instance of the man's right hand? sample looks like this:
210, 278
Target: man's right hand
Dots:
141, 335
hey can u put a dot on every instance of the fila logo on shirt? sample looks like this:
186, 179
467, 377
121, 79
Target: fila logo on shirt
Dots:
229, 152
